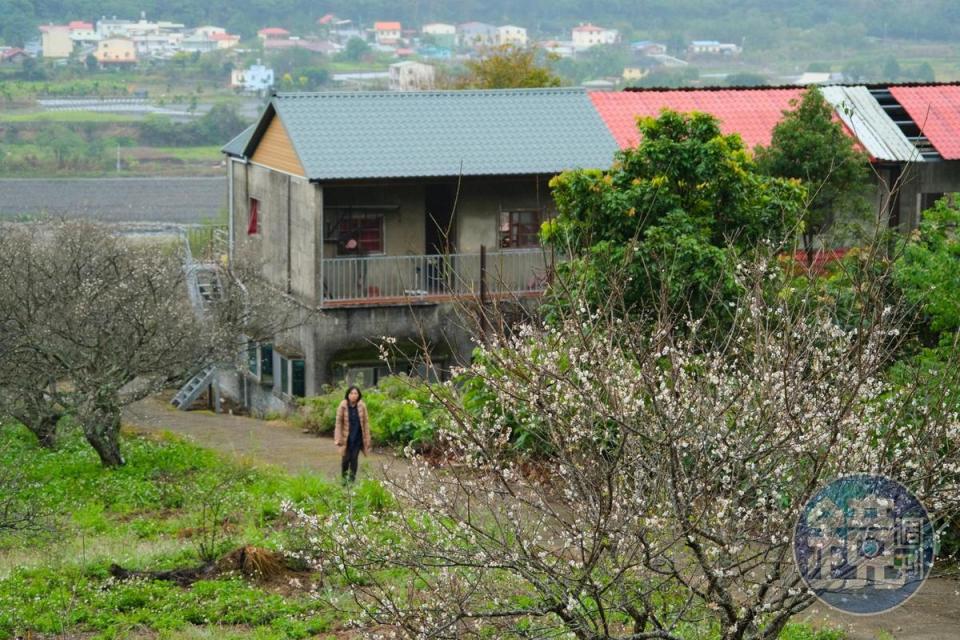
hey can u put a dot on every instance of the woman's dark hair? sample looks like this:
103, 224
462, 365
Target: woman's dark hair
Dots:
346, 396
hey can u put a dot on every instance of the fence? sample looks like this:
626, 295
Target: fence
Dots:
419, 276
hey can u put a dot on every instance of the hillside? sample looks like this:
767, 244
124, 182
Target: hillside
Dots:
762, 24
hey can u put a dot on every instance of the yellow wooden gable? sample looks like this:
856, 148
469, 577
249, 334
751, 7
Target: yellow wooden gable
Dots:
275, 150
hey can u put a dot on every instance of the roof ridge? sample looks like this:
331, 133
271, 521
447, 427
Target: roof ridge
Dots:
432, 92
774, 87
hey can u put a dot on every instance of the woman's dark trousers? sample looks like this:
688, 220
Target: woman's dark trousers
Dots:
348, 465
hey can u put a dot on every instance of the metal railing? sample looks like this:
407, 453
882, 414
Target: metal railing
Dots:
208, 242
370, 278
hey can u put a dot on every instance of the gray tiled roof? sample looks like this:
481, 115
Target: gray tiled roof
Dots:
236, 146
442, 133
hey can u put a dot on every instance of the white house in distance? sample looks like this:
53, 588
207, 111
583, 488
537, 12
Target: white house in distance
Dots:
55, 41
82, 33
255, 79
411, 76
713, 47
476, 34
112, 27
444, 35
588, 35
387, 33
512, 35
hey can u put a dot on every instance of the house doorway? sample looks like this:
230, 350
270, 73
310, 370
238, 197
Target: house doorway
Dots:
439, 202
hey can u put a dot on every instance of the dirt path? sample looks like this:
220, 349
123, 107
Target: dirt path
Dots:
932, 614
274, 443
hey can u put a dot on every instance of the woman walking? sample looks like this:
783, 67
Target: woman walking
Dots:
352, 432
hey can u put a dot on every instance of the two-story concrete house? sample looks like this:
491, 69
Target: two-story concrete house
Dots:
382, 209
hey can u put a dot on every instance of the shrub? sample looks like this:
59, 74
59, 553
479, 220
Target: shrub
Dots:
401, 412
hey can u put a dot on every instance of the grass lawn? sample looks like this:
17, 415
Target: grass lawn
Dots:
147, 516
188, 154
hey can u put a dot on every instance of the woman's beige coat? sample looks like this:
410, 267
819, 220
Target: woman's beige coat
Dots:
342, 428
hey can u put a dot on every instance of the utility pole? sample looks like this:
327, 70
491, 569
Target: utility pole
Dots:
118, 158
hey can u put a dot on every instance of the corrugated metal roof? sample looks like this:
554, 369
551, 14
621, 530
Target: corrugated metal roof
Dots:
236, 146
750, 113
936, 110
870, 124
442, 133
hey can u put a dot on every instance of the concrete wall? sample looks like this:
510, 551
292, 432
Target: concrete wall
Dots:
925, 178
289, 211
482, 200
288, 250
403, 214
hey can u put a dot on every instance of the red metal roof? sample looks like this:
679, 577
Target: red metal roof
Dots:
273, 31
936, 110
386, 26
751, 113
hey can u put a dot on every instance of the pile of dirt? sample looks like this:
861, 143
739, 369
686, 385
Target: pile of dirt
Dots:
251, 562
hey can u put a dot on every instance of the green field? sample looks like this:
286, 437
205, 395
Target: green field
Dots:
67, 117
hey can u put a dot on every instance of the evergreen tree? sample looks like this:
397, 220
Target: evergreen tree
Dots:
810, 145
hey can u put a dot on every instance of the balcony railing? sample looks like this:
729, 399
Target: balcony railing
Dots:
386, 279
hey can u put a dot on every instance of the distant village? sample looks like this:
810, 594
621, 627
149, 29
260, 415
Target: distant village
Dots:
116, 42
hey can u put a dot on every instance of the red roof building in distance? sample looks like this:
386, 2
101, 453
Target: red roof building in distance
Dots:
752, 113
583, 28
273, 32
326, 19
386, 26
936, 110
80, 25
11, 54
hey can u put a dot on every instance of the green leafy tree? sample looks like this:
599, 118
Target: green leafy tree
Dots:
355, 50
928, 269
891, 69
65, 143
507, 67
665, 221
809, 145
923, 72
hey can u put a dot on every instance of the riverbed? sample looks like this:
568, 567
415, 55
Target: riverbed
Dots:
176, 200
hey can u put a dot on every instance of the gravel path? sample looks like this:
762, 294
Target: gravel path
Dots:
274, 443
932, 614
180, 200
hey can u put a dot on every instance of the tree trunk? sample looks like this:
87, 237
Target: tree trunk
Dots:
44, 426
41, 422
101, 427
808, 238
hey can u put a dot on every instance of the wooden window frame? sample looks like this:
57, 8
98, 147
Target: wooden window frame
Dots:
511, 237
361, 250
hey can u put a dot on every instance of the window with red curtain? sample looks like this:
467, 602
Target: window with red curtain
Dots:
254, 225
519, 228
366, 229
